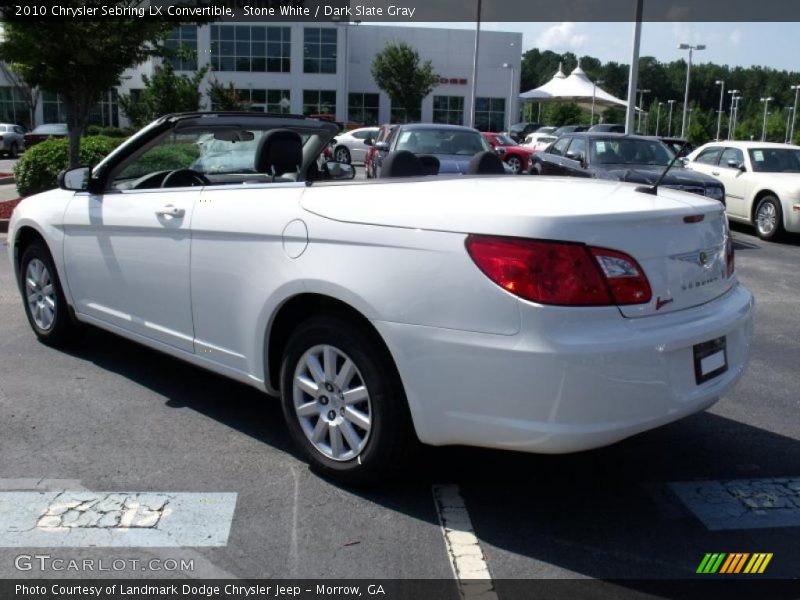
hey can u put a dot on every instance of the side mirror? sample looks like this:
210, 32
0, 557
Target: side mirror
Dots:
369, 141
337, 170
382, 146
575, 156
76, 180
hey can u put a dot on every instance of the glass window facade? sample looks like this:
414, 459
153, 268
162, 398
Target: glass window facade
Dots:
363, 108
319, 50
319, 102
251, 48
490, 114
13, 108
183, 42
273, 101
448, 109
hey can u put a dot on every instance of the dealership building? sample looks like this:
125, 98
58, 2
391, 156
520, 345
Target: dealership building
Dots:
323, 68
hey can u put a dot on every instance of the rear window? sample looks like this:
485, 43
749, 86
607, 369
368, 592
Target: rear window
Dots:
52, 129
441, 141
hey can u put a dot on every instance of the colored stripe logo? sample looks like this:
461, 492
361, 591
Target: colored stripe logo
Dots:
734, 563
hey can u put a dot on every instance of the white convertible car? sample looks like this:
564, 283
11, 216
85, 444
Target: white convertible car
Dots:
534, 314
762, 182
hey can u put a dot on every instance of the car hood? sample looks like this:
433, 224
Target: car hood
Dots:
677, 176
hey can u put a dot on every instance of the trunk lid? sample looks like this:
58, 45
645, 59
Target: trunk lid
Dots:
677, 238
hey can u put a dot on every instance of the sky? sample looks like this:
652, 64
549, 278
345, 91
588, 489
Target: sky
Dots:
775, 45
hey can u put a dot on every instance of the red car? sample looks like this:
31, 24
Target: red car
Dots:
515, 156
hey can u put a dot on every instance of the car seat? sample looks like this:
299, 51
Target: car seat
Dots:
485, 163
401, 163
279, 153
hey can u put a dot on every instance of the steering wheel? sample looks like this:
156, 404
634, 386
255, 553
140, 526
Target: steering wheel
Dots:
184, 178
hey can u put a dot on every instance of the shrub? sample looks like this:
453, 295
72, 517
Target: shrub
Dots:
38, 168
114, 132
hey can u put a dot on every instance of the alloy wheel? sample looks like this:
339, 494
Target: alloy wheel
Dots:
40, 294
766, 218
332, 402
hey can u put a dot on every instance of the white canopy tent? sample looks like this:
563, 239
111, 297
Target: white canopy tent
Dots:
575, 88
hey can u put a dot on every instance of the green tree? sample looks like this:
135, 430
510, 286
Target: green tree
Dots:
79, 59
398, 71
225, 97
165, 92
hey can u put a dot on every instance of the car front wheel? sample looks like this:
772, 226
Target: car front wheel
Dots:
769, 218
343, 401
13, 151
45, 305
342, 155
515, 164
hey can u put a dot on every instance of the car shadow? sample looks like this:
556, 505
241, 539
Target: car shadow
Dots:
607, 514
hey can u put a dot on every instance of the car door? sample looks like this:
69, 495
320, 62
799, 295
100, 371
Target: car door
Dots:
358, 149
552, 159
575, 157
707, 161
127, 249
736, 181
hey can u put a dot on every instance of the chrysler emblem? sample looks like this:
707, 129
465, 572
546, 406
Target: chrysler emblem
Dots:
698, 257
702, 258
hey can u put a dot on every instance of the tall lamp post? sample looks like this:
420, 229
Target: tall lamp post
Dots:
691, 49
689, 121
732, 119
720, 83
789, 111
796, 89
669, 124
641, 106
658, 116
510, 92
594, 94
766, 102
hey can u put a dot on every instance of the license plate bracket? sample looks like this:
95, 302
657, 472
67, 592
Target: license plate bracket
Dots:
710, 359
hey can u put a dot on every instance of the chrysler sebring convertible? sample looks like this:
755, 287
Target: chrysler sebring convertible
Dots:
535, 314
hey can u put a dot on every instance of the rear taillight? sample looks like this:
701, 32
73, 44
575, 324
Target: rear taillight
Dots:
560, 273
730, 262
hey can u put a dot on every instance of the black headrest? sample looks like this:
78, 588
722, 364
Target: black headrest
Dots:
279, 151
430, 164
485, 163
401, 163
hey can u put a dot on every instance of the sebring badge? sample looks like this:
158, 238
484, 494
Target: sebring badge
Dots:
698, 257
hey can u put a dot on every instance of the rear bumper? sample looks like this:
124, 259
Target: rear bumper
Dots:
570, 380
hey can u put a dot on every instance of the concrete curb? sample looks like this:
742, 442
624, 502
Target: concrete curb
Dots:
6, 180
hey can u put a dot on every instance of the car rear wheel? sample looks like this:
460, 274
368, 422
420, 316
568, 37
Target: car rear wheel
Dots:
45, 305
515, 163
13, 152
343, 401
342, 155
769, 218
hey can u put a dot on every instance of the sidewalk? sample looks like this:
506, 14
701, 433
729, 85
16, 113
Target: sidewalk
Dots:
8, 192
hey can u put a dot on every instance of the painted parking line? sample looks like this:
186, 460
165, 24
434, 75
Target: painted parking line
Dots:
463, 549
76, 519
742, 503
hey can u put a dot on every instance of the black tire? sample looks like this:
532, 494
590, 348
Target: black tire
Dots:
770, 228
342, 154
62, 328
536, 169
13, 152
389, 442
512, 160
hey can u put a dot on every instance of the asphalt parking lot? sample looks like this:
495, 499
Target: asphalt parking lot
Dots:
112, 416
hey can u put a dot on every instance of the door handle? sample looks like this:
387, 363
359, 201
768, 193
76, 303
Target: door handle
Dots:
170, 211
715, 173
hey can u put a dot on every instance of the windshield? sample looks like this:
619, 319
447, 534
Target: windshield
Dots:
442, 141
775, 160
504, 140
630, 152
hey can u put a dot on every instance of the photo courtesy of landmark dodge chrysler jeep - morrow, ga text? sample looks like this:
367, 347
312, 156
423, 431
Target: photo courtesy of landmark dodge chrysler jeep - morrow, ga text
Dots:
527, 313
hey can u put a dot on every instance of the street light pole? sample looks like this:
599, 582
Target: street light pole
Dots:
721, 83
732, 117
669, 124
658, 116
690, 48
633, 72
510, 92
766, 102
689, 122
594, 94
641, 106
474, 90
796, 89
789, 111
